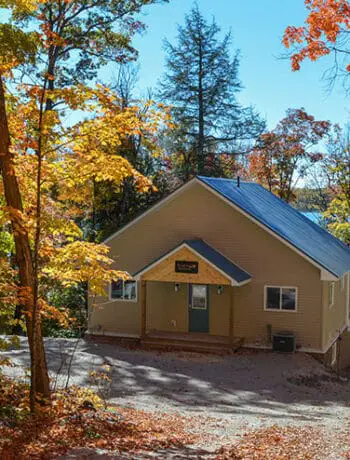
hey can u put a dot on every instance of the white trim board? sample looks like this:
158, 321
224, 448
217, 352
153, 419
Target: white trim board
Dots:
325, 275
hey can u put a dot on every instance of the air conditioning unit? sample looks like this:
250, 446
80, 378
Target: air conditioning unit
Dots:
283, 342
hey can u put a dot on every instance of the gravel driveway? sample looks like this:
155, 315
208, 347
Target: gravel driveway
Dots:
228, 395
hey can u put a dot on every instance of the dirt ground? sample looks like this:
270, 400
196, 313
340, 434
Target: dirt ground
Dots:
222, 396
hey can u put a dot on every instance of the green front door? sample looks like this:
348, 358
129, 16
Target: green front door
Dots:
198, 308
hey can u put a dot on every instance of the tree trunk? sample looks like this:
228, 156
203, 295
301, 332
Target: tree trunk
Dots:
16, 328
200, 152
40, 383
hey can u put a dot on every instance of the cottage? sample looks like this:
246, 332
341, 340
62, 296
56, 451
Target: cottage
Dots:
222, 263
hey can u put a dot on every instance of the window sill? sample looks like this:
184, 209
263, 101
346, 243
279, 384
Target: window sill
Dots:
123, 300
280, 310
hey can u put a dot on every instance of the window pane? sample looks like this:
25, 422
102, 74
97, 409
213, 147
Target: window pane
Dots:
117, 289
273, 298
288, 299
130, 290
199, 296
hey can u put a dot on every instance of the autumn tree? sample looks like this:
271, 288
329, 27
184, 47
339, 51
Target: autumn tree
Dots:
325, 32
17, 47
201, 83
114, 207
336, 171
47, 168
82, 36
282, 156
72, 160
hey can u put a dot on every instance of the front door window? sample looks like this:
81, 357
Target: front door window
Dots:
199, 296
198, 308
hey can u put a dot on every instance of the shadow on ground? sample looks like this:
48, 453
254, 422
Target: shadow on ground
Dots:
257, 384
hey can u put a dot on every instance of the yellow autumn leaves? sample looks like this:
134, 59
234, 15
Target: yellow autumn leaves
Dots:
74, 158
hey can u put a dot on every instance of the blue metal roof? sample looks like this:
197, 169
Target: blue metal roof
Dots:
211, 255
218, 260
288, 223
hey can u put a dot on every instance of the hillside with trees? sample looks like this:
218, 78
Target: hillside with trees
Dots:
82, 155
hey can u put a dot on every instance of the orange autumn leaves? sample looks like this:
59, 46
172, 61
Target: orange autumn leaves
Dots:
324, 31
77, 419
283, 155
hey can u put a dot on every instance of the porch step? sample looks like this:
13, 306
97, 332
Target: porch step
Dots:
190, 345
170, 343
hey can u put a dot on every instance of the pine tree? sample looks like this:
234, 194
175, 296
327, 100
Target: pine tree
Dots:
201, 83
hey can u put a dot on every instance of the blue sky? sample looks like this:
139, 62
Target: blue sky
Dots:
257, 27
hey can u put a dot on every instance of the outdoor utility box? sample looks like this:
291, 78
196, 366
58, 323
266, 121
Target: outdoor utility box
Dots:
283, 342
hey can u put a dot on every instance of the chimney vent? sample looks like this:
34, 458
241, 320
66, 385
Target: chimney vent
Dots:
238, 181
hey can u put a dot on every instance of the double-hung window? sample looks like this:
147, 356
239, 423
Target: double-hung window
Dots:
123, 290
280, 298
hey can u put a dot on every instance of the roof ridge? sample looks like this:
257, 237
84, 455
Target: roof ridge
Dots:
230, 179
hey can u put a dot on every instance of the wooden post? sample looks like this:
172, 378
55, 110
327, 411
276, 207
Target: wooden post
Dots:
231, 314
143, 307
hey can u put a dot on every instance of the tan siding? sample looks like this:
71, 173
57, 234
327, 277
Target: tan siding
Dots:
343, 353
219, 311
197, 213
334, 317
167, 310
115, 316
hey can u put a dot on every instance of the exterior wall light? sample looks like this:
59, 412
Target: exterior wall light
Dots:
220, 290
177, 287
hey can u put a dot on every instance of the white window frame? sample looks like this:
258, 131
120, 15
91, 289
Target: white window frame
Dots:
281, 309
113, 299
331, 294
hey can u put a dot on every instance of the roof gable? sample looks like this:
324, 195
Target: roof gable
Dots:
236, 275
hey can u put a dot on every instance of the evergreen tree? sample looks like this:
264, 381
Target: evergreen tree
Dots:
201, 83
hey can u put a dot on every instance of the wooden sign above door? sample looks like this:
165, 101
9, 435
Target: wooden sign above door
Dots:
186, 266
